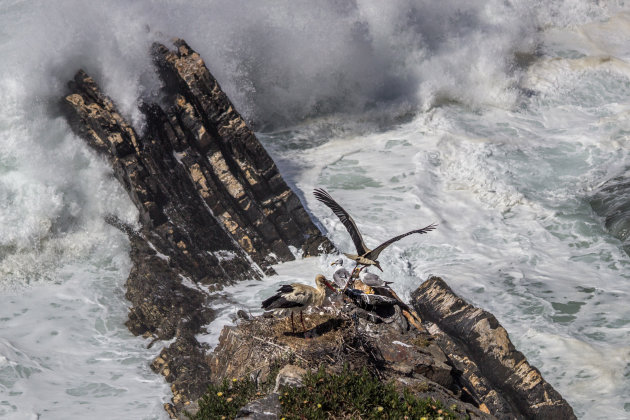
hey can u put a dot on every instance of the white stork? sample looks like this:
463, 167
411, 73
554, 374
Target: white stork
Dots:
297, 297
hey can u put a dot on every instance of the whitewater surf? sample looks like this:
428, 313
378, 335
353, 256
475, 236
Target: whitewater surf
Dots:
498, 121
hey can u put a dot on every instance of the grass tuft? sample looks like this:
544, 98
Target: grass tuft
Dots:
223, 401
348, 395
352, 395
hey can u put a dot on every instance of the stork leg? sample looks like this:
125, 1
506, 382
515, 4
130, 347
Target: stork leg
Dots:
302, 319
292, 325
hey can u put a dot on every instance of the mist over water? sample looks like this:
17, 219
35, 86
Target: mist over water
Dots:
280, 61
497, 120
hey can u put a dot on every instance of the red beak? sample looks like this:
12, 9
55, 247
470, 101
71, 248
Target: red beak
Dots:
329, 286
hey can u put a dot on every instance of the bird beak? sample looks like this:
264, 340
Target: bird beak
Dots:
333, 263
378, 265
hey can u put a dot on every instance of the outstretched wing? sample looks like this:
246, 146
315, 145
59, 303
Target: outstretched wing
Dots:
345, 218
373, 255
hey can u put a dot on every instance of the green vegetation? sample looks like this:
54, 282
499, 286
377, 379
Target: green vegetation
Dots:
223, 401
348, 395
351, 395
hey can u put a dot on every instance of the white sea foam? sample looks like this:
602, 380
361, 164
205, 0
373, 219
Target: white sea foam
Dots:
516, 234
502, 155
65, 352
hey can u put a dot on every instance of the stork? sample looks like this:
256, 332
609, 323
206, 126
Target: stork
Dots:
297, 297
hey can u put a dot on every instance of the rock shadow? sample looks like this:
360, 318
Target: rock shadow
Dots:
332, 324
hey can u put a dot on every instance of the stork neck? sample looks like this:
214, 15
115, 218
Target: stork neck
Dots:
320, 294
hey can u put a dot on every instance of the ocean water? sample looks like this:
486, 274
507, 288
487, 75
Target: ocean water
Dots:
496, 119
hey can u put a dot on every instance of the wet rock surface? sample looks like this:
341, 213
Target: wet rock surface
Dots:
479, 348
610, 201
213, 206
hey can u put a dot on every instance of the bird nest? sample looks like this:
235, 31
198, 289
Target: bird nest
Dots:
330, 339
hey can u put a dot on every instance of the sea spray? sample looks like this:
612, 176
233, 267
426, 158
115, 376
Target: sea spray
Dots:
494, 120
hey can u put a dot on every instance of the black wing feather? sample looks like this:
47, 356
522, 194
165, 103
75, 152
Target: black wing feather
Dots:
323, 196
277, 300
369, 301
285, 288
373, 255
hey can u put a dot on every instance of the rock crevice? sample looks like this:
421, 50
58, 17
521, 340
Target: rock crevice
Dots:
497, 374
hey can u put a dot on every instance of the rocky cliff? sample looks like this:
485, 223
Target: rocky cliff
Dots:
480, 350
215, 210
393, 351
460, 356
213, 206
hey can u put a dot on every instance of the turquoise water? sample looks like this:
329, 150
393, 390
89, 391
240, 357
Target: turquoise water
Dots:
498, 121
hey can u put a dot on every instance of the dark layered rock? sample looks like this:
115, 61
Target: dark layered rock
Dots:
271, 215
409, 358
479, 348
612, 202
213, 206
164, 306
214, 209
209, 195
